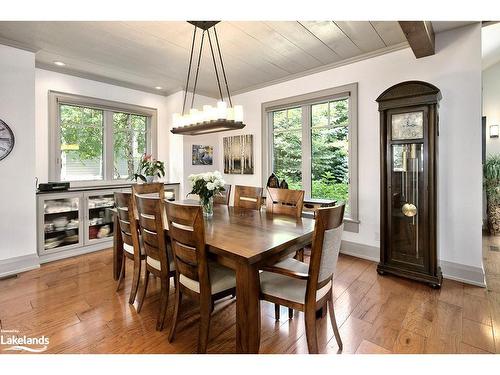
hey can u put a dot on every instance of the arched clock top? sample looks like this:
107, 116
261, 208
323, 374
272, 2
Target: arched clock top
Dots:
409, 93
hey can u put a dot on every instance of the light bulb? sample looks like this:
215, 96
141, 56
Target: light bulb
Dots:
221, 110
207, 109
238, 113
230, 114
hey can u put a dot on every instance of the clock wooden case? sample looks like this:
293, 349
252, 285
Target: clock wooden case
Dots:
408, 181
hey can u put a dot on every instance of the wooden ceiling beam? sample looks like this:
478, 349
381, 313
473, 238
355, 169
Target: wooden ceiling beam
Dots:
420, 36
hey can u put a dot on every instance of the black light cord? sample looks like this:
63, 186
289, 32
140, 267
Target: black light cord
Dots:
215, 65
189, 72
198, 68
222, 65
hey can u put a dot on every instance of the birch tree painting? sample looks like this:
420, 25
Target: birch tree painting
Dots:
238, 154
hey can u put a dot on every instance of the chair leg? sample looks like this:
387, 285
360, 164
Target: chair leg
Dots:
135, 280
290, 313
165, 283
312, 338
276, 311
299, 255
205, 307
122, 274
177, 307
334, 324
143, 292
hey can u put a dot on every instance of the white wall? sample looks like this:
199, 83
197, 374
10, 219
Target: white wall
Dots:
456, 70
17, 171
491, 105
47, 80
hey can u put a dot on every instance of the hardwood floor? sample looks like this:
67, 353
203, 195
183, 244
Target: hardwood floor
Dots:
74, 303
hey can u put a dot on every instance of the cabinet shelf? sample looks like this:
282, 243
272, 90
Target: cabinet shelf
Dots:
100, 224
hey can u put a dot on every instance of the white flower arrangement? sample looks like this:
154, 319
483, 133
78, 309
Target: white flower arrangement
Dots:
206, 185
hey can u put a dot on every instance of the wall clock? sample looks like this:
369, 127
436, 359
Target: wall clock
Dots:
6, 140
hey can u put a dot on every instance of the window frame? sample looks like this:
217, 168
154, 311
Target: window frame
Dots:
56, 99
305, 101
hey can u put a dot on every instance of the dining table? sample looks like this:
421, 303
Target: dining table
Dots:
244, 240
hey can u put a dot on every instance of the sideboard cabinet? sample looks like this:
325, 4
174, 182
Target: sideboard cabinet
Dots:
78, 221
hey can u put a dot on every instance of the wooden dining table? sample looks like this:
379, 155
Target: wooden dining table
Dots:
245, 240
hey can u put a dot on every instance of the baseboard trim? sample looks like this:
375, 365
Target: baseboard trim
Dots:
464, 273
360, 250
17, 265
452, 271
45, 258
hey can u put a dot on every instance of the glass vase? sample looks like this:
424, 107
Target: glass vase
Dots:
208, 207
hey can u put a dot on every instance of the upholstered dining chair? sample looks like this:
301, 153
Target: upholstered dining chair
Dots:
309, 288
248, 197
224, 196
132, 248
159, 262
196, 277
285, 202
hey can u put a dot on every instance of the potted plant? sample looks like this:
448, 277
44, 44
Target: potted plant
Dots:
206, 186
492, 187
149, 168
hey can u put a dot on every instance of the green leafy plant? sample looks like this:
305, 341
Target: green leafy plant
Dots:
491, 174
149, 167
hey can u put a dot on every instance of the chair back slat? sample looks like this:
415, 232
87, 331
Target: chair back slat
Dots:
325, 247
151, 213
285, 201
187, 233
248, 197
155, 189
224, 196
125, 207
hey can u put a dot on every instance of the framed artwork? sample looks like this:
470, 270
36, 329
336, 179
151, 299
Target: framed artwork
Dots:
238, 154
409, 125
203, 155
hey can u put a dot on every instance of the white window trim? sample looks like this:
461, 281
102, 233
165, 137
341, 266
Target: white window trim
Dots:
57, 98
305, 100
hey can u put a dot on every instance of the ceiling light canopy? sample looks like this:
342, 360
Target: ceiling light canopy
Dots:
210, 119
59, 63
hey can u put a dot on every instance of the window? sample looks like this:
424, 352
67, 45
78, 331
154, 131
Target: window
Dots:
312, 143
97, 140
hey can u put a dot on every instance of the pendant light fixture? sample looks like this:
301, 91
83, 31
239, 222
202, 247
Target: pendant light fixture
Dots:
210, 119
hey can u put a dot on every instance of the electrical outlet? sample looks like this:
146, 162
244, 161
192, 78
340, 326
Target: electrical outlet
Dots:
377, 236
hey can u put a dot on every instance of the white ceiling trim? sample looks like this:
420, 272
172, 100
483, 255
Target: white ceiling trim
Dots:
319, 69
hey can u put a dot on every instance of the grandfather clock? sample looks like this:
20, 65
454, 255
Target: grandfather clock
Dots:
409, 129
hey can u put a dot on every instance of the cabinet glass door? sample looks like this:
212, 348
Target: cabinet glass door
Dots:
407, 217
100, 216
61, 218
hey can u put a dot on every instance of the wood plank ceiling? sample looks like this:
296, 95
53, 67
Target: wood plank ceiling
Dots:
147, 54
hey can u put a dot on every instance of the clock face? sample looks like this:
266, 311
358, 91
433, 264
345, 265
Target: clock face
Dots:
6, 140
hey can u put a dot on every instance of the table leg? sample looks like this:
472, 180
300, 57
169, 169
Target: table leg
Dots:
247, 309
117, 248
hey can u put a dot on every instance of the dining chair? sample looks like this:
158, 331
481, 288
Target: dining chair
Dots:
248, 197
224, 196
132, 248
159, 262
285, 202
309, 288
197, 277
155, 188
